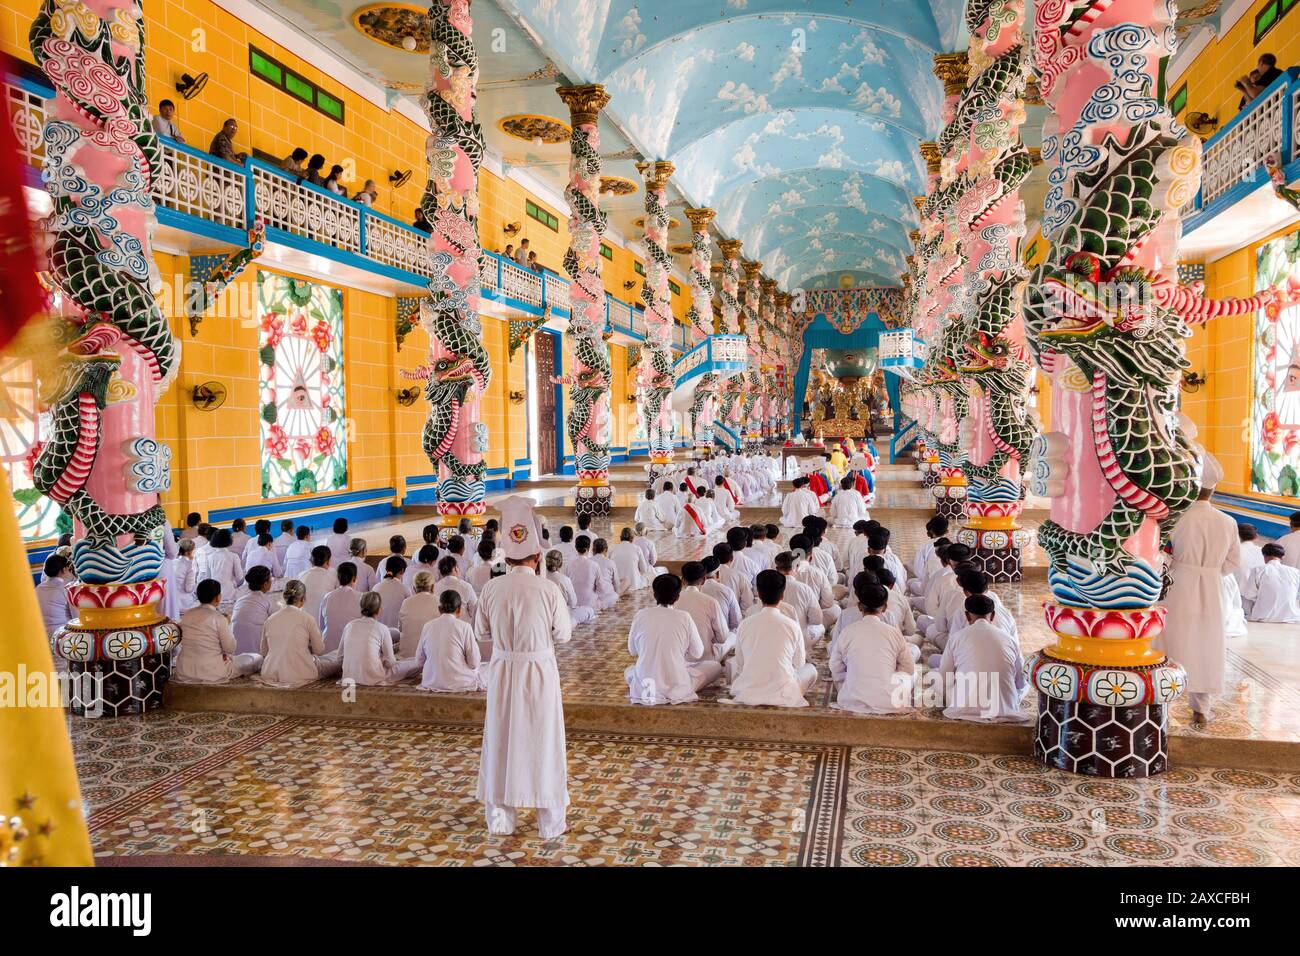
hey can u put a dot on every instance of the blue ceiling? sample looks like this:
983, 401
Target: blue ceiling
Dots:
798, 120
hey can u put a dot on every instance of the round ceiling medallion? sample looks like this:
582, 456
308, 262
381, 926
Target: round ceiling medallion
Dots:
682, 249
640, 223
617, 186
398, 25
533, 128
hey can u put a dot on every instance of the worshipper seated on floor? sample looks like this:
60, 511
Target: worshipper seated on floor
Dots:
366, 575
426, 559
600, 554
633, 570
742, 559
207, 653
715, 589
584, 529
940, 585
340, 607
417, 610
450, 580
239, 539
691, 521
952, 612
648, 514
730, 576
872, 665
252, 608
725, 500
393, 591
1272, 592
283, 540
52, 593
222, 565
591, 584
367, 647
1251, 556
799, 602
448, 653
770, 666
982, 667
565, 545
1290, 542
297, 556
878, 543
672, 663
293, 651
579, 613
706, 611
798, 504
765, 537
487, 555
320, 579
669, 505
848, 506
647, 546
935, 529
182, 581
899, 611
339, 542
811, 575
192, 522
263, 554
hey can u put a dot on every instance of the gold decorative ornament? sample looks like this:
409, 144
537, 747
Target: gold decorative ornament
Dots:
618, 185
930, 153
536, 128
584, 102
952, 70
398, 25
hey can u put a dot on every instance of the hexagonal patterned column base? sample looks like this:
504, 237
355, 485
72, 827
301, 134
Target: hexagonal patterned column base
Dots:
951, 508
595, 501
928, 478
1101, 741
125, 687
1000, 564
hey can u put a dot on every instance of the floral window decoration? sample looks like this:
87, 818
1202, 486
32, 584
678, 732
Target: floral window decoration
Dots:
300, 371
25, 424
1275, 409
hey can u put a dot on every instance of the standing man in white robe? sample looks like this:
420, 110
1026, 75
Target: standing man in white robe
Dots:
1205, 547
524, 616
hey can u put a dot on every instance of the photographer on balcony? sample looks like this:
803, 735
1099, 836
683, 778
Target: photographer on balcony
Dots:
1257, 80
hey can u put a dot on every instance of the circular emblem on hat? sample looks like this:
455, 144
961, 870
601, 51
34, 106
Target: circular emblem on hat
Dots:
518, 533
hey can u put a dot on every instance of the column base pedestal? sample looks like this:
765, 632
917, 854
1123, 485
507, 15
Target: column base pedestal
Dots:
1101, 741
928, 479
950, 508
108, 688
594, 500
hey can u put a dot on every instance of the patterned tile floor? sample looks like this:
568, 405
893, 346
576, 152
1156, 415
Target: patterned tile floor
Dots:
189, 784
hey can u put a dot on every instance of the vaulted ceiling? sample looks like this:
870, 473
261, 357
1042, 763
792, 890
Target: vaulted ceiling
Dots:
798, 120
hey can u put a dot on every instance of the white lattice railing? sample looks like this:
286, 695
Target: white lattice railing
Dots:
397, 246
556, 292
27, 115
191, 182
1241, 149
305, 211
522, 285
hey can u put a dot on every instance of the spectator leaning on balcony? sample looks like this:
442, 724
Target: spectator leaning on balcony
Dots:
332, 181
164, 123
1257, 80
368, 195
223, 144
510, 251
419, 222
533, 263
521, 254
314, 166
292, 164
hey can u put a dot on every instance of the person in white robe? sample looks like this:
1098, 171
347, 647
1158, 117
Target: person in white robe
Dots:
223, 565
647, 546
692, 522
366, 575
417, 610
207, 653
1205, 546
393, 591
297, 557
578, 613
1252, 556
448, 655
52, 593
1290, 541
182, 581
724, 595
770, 666
799, 504
669, 505
367, 649
252, 608
320, 579
648, 513
872, 665
426, 559
935, 528
983, 668
707, 613
1273, 589
802, 601
847, 508
939, 585
671, 663
489, 558
262, 554
452, 581
613, 580
239, 539
285, 538
630, 561
1234, 609
731, 576
952, 611
524, 616
566, 546
340, 607
339, 542
811, 575
293, 651
591, 583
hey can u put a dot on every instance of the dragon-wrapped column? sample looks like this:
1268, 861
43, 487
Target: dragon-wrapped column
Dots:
753, 388
655, 376
995, 360
455, 438
102, 463
1118, 467
704, 402
731, 405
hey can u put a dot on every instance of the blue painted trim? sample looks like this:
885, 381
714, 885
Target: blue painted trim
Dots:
523, 462
560, 458
356, 260
201, 227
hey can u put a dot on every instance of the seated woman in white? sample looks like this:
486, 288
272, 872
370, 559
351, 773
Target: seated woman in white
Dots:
451, 580
847, 507
872, 665
368, 658
392, 590
771, 665
600, 554
417, 610
631, 563
487, 555
647, 546
366, 575
207, 654
590, 582
263, 554
182, 581
1273, 589
581, 614
799, 504
426, 559
340, 607
647, 512
449, 654
252, 609
292, 648
983, 669
724, 501
670, 661
668, 504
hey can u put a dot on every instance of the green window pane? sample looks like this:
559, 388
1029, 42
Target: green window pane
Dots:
1179, 99
329, 105
266, 69
299, 87
1265, 19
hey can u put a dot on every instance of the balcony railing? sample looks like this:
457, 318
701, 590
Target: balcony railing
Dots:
1232, 160
722, 354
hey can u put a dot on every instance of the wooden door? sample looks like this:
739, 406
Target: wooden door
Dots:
544, 365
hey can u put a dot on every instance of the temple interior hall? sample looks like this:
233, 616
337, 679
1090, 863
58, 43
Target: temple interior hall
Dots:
765, 433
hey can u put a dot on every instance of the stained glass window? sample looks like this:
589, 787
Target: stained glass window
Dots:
24, 426
1275, 409
300, 356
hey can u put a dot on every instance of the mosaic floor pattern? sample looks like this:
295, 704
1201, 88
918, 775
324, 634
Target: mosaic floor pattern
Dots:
194, 784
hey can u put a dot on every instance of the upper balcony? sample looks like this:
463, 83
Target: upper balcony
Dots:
205, 204
1233, 175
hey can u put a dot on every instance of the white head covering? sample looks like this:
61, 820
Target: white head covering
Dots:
521, 532
1211, 471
